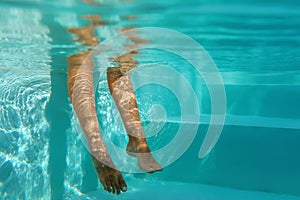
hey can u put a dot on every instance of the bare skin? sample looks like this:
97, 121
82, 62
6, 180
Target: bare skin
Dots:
81, 92
81, 88
122, 91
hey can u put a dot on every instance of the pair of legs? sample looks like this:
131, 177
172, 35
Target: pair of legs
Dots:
81, 91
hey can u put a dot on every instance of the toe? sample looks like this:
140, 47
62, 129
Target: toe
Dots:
157, 167
103, 182
117, 189
113, 186
122, 184
108, 186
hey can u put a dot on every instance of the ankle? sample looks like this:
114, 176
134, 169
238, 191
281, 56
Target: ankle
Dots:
137, 141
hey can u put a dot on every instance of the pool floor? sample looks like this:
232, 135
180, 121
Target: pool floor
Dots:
144, 189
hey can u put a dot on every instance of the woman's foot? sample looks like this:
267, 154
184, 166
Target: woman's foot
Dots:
110, 178
140, 150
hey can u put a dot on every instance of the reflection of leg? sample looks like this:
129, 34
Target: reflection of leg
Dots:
82, 96
122, 91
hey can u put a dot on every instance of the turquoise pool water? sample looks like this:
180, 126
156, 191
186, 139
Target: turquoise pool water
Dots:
254, 44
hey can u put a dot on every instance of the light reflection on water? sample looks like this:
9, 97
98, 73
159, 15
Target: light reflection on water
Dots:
25, 92
256, 48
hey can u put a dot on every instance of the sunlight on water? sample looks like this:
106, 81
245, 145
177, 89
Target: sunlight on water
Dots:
25, 91
255, 45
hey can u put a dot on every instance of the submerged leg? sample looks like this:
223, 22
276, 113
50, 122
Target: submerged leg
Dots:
81, 91
122, 91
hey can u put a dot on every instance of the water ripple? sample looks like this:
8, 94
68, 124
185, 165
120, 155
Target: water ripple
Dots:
23, 133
